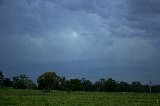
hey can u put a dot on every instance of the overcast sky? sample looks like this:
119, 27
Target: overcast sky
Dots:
81, 38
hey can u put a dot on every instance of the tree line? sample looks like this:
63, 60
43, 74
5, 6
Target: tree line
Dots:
51, 81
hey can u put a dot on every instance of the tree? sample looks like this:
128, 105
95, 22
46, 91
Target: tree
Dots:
150, 86
1, 79
68, 86
62, 84
123, 87
75, 85
99, 85
136, 86
110, 85
156, 89
48, 81
7, 82
86, 85
30, 84
22, 82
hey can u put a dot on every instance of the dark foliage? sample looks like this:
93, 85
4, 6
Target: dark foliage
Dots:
51, 81
48, 81
1, 78
22, 82
54, 82
7, 82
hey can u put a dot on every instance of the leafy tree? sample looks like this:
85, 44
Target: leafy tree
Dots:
62, 84
123, 87
68, 86
22, 82
86, 85
1, 79
99, 85
48, 81
136, 86
145, 88
30, 84
7, 82
150, 83
110, 85
156, 89
75, 85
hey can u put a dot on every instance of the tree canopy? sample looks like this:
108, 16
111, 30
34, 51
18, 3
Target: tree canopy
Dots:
51, 81
48, 80
1, 78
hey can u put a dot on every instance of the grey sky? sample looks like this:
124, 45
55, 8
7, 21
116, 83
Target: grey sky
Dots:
81, 38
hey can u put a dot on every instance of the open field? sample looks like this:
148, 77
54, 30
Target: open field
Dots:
14, 97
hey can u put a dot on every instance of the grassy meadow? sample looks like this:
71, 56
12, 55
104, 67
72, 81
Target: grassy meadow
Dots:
20, 97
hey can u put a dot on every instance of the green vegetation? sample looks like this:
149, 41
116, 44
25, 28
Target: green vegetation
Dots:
51, 81
28, 97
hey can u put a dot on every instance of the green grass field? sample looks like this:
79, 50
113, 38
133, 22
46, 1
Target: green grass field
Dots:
14, 97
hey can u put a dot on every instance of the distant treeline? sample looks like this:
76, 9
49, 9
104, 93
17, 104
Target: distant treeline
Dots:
51, 81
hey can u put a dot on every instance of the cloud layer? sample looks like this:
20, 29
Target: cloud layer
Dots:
91, 38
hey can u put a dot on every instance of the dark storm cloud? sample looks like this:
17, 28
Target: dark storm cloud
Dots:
144, 6
144, 15
97, 38
22, 18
